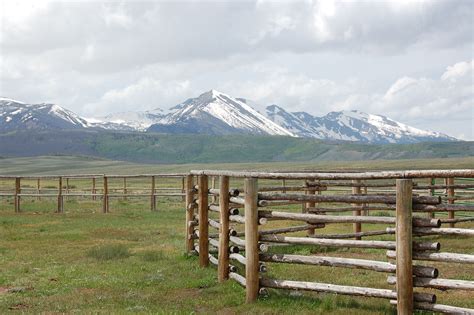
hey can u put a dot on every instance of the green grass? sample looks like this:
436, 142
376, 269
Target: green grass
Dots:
132, 260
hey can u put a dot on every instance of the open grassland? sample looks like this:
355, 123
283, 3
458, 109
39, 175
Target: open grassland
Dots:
131, 260
62, 165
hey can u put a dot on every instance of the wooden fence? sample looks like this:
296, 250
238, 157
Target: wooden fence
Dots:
61, 187
415, 208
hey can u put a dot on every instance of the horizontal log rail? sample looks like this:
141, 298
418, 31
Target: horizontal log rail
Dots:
437, 231
442, 257
333, 175
341, 289
441, 284
342, 218
440, 308
373, 265
344, 243
387, 199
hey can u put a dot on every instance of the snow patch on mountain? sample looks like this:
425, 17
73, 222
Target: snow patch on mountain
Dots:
217, 112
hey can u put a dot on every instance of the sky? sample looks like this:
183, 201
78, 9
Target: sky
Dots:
409, 60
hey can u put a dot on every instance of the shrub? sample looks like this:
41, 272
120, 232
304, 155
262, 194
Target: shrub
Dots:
109, 251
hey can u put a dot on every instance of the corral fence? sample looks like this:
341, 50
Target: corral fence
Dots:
94, 187
407, 215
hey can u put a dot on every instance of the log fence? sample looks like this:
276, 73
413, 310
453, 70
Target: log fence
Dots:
397, 213
93, 187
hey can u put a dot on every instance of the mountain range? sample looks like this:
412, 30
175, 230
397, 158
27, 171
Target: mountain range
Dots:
216, 113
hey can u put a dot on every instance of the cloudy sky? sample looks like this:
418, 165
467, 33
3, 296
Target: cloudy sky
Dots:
409, 60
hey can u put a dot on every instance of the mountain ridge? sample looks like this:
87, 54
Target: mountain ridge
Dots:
217, 113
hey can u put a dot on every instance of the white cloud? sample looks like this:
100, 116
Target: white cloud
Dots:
379, 56
141, 95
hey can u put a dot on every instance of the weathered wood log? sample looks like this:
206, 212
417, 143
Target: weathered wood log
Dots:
344, 209
315, 218
443, 257
232, 192
328, 242
105, 200
292, 188
341, 289
404, 242
251, 239
216, 208
60, 195
190, 223
457, 220
450, 192
152, 194
438, 231
214, 224
344, 243
442, 208
237, 241
373, 265
203, 222
241, 259
308, 217
433, 187
441, 284
351, 235
356, 199
440, 308
223, 265
291, 229
469, 173
356, 226
240, 279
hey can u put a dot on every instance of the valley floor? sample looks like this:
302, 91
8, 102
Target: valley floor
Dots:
132, 259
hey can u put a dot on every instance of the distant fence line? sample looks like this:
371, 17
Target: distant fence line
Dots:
99, 188
324, 196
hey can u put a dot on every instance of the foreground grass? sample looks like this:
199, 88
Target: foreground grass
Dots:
131, 260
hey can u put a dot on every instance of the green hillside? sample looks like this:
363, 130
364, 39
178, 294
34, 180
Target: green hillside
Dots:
165, 148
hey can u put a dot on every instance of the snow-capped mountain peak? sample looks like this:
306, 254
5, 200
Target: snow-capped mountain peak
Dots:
18, 115
214, 112
352, 125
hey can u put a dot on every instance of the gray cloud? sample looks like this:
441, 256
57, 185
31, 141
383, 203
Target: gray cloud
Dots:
98, 57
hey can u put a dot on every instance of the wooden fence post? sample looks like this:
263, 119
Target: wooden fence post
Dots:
356, 191
60, 194
203, 221
105, 201
213, 185
450, 191
189, 213
223, 255
251, 239
365, 212
93, 189
152, 195
17, 193
124, 188
38, 189
183, 187
404, 269
310, 204
432, 181
67, 188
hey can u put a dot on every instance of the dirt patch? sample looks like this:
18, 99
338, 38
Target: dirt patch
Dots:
18, 307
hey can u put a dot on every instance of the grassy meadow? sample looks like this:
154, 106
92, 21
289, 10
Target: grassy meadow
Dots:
132, 259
